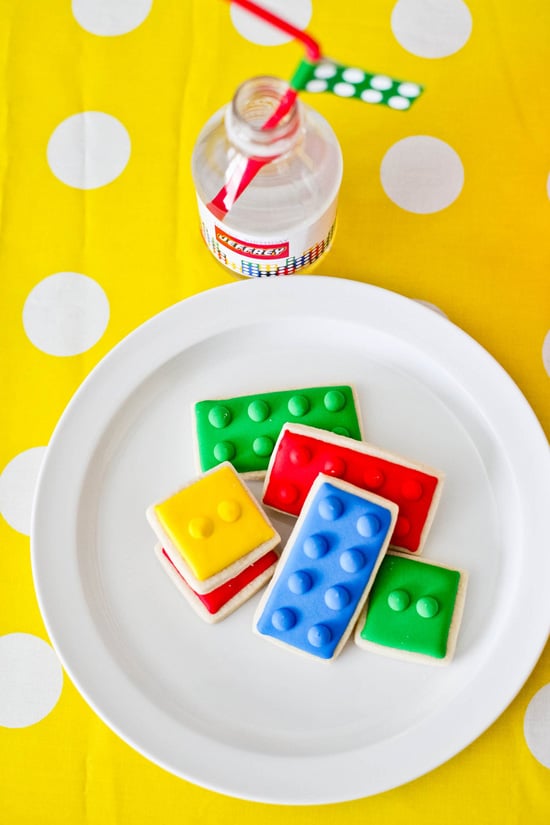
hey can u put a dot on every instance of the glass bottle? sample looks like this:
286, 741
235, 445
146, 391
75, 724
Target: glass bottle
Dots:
283, 222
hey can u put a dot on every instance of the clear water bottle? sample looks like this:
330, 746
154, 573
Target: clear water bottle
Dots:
284, 220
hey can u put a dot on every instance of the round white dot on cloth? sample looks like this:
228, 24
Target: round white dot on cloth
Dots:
88, 150
536, 726
422, 174
431, 29
66, 314
109, 18
251, 27
546, 352
17, 486
31, 680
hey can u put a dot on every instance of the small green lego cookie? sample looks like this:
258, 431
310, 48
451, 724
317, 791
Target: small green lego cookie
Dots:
414, 610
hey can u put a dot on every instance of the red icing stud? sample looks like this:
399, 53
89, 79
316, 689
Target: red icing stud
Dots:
300, 456
288, 494
412, 490
335, 467
402, 527
373, 478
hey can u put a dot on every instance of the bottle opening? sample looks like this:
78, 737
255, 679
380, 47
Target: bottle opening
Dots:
255, 101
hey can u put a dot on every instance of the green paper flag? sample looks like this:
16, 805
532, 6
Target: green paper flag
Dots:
347, 81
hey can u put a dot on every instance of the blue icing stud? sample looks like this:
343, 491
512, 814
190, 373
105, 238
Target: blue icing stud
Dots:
327, 568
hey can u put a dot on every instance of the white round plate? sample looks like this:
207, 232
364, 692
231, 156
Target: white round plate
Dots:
216, 704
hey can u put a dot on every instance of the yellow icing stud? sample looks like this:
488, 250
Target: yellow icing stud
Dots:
201, 527
214, 522
229, 510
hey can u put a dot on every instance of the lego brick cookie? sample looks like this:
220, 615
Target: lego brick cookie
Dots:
212, 529
323, 578
301, 453
414, 610
219, 603
244, 430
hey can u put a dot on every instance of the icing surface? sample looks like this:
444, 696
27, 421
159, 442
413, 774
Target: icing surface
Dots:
300, 456
214, 521
244, 429
325, 570
411, 606
218, 598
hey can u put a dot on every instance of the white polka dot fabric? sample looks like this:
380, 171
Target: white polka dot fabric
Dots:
89, 150
445, 198
31, 680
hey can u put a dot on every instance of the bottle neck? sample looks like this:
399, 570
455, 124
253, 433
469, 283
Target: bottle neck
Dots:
253, 104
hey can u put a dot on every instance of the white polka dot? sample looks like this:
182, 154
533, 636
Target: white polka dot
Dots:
422, 174
344, 89
371, 96
317, 86
17, 486
325, 70
546, 352
251, 27
397, 102
353, 75
408, 89
88, 150
31, 680
110, 17
431, 29
536, 726
381, 82
66, 314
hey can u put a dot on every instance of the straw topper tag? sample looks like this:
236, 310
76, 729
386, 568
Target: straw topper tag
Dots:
349, 81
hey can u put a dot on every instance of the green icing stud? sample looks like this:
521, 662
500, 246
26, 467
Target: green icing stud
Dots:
334, 401
427, 607
263, 445
399, 600
224, 451
258, 410
219, 416
298, 405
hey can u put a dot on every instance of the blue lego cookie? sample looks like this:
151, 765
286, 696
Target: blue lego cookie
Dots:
326, 569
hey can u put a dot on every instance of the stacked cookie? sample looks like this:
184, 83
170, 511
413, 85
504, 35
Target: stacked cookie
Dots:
215, 542
351, 561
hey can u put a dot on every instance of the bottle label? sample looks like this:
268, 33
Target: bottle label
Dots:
254, 256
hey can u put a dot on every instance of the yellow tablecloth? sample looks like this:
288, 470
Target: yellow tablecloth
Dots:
82, 267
